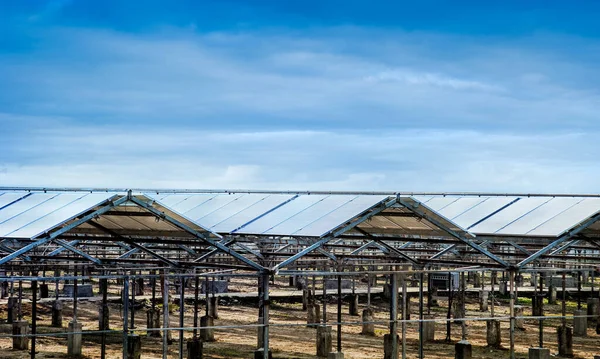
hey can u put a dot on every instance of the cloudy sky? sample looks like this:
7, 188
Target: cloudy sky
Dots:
337, 95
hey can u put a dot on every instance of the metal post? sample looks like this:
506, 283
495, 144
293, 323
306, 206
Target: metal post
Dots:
492, 292
324, 301
421, 343
20, 311
404, 299
368, 291
166, 314
181, 312
266, 304
394, 312
579, 290
463, 310
541, 322
133, 285
512, 314
104, 284
196, 293
34, 287
564, 301
339, 314
75, 297
125, 297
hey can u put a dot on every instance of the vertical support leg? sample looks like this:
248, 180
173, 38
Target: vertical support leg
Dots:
512, 314
404, 316
165, 295
266, 305
133, 288
34, 285
339, 314
196, 293
125, 314
421, 342
104, 285
541, 299
181, 312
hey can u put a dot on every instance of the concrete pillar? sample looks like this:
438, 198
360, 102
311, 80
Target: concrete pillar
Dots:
368, 328
207, 334
537, 305
428, 329
194, 349
388, 346
552, 295
74, 340
519, 280
458, 308
433, 295
584, 277
387, 290
134, 346
503, 288
335, 355
494, 339
323, 340
260, 354
519, 322
476, 280
353, 305
305, 296
153, 322
20, 327
57, 308
13, 309
313, 315
3, 289
539, 353
103, 317
213, 307
139, 286
580, 324
565, 341
483, 300
593, 308
43, 290
463, 350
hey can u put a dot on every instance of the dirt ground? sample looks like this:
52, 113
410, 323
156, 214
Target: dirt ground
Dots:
290, 338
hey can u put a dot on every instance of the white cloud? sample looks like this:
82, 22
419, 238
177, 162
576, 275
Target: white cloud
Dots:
289, 111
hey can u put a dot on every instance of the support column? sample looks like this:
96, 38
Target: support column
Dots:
134, 346
483, 300
57, 317
13, 310
74, 340
539, 353
265, 350
20, 327
512, 314
213, 307
580, 323
368, 328
353, 305
324, 340
391, 340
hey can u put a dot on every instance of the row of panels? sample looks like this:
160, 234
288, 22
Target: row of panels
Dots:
517, 216
269, 214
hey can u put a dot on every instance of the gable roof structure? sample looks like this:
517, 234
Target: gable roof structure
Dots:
272, 230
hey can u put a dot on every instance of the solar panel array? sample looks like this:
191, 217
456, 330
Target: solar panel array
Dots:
30, 214
514, 216
269, 214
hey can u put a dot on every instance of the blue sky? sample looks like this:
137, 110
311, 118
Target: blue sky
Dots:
331, 95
